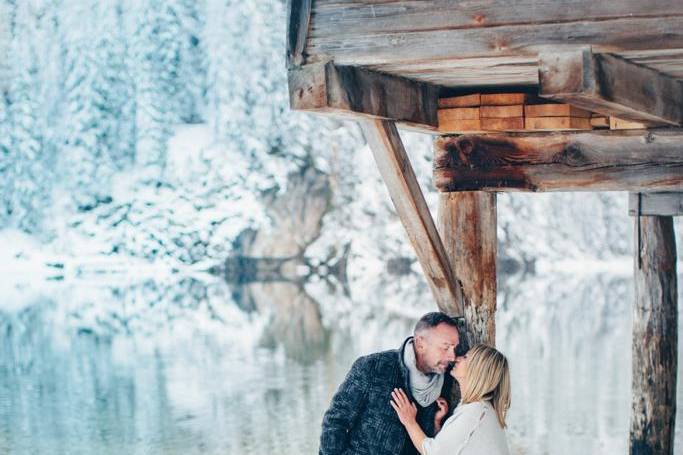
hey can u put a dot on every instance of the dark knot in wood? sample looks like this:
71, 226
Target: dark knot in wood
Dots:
571, 155
463, 152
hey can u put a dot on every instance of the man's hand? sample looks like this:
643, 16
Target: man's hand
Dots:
442, 404
404, 408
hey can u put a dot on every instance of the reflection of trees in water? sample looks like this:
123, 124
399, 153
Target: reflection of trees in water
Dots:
66, 381
67, 393
568, 340
294, 319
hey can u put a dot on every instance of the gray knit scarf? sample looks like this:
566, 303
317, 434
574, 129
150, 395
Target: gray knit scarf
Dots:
425, 388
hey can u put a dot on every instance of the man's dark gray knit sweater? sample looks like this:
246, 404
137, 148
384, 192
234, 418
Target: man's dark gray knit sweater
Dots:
360, 420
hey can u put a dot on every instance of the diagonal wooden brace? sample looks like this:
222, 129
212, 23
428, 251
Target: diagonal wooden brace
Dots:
404, 189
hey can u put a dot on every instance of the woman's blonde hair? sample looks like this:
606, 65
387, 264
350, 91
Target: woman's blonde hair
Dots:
488, 378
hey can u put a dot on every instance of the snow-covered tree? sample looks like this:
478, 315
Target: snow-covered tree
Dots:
29, 158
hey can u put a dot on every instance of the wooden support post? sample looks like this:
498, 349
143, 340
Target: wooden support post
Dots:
655, 337
467, 223
399, 177
611, 85
626, 160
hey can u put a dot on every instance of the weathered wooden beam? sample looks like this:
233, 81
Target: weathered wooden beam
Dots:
345, 90
659, 204
655, 338
467, 223
298, 21
404, 189
611, 85
605, 160
357, 17
523, 39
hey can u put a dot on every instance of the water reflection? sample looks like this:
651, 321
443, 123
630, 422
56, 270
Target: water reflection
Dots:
182, 368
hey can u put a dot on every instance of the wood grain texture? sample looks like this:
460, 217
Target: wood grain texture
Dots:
621, 124
655, 204
298, 21
334, 17
467, 223
557, 123
655, 338
598, 121
492, 43
405, 193
502, 124
454, 126
393, 48
473, 100
502, 111
611, 85
468, 72
503, 99
598, 160
458, 113
554, 110
328, 88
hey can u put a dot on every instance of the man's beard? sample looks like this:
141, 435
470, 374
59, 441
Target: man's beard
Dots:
442, 368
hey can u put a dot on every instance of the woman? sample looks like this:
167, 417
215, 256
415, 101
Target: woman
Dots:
477, 425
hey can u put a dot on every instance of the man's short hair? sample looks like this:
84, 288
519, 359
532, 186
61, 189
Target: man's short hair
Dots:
433, 319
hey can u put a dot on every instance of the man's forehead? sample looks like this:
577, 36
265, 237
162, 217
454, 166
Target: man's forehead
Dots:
444, 333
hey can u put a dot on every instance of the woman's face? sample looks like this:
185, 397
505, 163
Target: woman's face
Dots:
460, 368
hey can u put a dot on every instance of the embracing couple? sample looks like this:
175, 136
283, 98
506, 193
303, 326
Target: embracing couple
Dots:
398, 402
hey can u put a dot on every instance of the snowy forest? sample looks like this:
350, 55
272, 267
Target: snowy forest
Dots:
160, 130
151, 171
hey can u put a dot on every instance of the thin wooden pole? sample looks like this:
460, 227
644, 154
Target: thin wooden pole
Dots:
405, 193
467, 223
655, 337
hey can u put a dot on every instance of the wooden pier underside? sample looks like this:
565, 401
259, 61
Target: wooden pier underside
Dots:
492, 43
388, 63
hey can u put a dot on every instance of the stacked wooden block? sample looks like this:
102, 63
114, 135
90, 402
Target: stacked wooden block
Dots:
481, 112
549, 117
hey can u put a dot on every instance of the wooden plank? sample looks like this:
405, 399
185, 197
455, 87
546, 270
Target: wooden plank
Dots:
404, 190
458, 113
502, 111
611, 85
621, 124
473, 100
394, 48
468, 72
298, 20
467, 223
554, 110
600, 122
328, 88
598, 160
557, 123
334, 18
655, 338
453, 126
507, 70
503, 99
502, 124
655, 204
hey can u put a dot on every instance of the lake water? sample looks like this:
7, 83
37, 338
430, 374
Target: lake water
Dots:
191, 367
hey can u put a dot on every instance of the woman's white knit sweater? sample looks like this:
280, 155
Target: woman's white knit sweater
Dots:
473, 429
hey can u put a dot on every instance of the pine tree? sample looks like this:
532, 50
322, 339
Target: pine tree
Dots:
157, 51
30, 159
193, 60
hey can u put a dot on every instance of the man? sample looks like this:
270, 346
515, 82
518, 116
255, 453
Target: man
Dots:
360, 420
